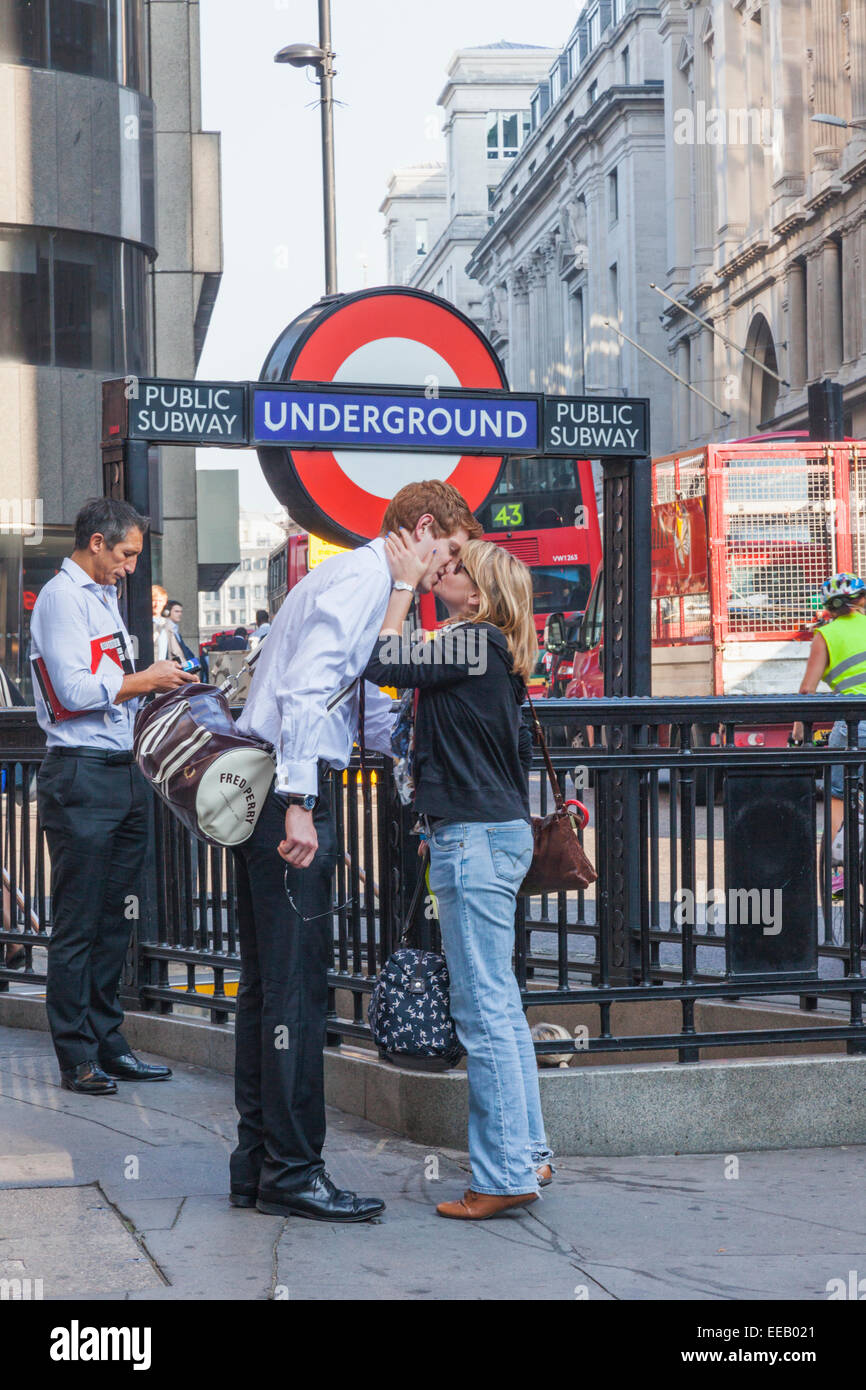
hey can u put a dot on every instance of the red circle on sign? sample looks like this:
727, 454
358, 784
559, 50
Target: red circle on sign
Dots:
355, 322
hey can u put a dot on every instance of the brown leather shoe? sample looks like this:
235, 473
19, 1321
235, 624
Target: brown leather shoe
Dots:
478, 1206
545, 1175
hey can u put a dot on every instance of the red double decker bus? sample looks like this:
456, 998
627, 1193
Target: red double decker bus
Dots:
544, 511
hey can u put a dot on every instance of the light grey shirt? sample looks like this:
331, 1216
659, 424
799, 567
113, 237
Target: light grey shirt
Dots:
319, 643
77, 630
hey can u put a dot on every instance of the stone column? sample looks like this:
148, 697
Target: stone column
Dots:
852, 328
520, 368
538, 322
814, 314
705, 156
832, 306
857, 49
827, 140
683, 394
796, 288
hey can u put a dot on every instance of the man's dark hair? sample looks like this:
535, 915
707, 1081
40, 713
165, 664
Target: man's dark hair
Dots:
241, 632
172, 603
109, 517
262, 616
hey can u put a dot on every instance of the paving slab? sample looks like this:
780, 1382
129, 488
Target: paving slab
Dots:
125, 1197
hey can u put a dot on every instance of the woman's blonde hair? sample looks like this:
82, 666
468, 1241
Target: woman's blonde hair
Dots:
504, 585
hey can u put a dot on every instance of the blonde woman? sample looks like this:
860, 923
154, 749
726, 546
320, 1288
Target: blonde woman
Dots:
472, 753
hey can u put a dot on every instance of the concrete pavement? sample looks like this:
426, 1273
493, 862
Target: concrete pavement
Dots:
124, 1197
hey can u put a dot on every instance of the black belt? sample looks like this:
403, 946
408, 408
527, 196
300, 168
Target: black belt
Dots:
114, 757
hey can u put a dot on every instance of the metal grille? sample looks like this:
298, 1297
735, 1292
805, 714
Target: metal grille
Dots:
857, 495
778, 540
677, 619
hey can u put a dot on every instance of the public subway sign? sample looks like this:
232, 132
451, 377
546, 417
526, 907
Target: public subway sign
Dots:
314, 417
364, 393
187, 412
596, 426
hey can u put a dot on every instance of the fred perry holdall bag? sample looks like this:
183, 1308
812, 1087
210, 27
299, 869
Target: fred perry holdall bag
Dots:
214, 778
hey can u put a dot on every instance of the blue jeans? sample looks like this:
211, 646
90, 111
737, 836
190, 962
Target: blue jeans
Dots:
475, 872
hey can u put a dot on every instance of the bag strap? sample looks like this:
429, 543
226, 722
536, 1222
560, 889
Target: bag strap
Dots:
362, 712
229, 686
416, 898
558, 798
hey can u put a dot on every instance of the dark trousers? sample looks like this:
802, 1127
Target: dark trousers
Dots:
95, 819
282, 1005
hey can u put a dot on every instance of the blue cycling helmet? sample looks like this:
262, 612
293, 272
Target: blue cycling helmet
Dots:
842, 591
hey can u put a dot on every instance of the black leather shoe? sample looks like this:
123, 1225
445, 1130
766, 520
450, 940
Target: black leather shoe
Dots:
88, 1079
127, 1067
321, 1201
242, 1199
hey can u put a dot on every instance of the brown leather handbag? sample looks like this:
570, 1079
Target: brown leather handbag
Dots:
559, 862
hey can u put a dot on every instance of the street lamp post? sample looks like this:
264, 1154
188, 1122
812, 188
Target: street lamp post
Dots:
321, 57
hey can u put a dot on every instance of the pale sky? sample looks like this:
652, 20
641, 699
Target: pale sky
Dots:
391, 61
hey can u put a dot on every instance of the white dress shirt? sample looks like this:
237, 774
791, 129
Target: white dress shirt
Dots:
320, 641
77, 630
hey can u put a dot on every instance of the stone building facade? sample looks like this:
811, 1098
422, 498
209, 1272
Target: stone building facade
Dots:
110, 259
766, 209
486, 120
578, 225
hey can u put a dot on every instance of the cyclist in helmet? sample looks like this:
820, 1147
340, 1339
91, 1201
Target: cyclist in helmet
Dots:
838, 658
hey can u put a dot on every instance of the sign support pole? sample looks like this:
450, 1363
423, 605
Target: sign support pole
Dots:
627, 588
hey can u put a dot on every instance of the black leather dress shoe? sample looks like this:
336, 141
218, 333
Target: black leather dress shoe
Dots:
242, 1199
321, 1201
88, 1079
127, 1067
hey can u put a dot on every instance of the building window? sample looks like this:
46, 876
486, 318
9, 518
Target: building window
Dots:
550, 144
593, 28
93, 38
573, 59
626, 66
591, 93
568, 119
421, 243
613, 196
506, 132
616, 11
71, 299
614, 293
531, 169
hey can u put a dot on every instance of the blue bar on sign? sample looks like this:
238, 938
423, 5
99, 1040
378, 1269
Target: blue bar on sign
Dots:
347, 420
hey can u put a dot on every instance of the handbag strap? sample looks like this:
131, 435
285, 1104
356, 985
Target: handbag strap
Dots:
558, 798
416, 898
362, 711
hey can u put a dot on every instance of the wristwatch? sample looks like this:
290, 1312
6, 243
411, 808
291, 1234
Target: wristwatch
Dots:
308, 802
401, 584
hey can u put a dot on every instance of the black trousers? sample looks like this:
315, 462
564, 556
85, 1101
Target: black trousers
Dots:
282, 1005
95, 819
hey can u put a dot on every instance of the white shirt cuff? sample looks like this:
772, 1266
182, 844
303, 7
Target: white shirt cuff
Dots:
111, 680
300, 779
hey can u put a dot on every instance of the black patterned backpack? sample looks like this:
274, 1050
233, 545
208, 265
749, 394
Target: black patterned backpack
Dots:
410, 1011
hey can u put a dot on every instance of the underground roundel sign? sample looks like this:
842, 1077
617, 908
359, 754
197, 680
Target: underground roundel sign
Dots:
385, 338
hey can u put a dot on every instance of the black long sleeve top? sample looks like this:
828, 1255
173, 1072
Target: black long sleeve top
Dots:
472, 746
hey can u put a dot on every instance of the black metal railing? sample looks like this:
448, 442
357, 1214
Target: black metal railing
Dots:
691, 787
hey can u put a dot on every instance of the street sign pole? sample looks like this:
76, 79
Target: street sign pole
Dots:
620, 804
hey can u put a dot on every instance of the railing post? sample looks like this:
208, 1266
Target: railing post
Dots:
626, 672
